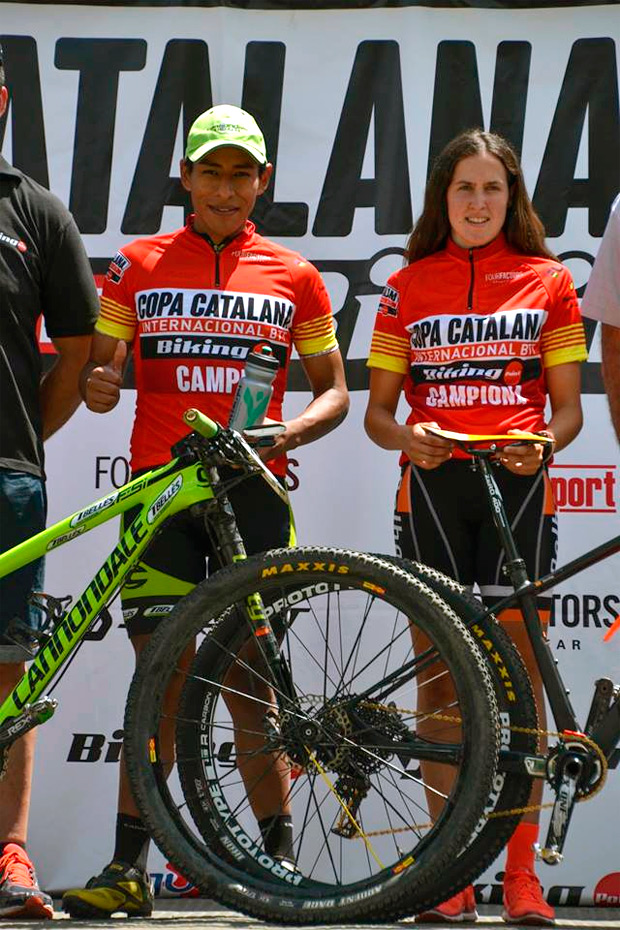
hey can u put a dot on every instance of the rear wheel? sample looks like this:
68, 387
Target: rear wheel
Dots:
342, 750
518, 719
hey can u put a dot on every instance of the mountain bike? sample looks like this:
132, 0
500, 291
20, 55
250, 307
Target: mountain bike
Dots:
314, 663
354, 651
575, 767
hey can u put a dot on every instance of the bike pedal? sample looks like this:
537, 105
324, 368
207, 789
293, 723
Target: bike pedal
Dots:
603, 695
549, 855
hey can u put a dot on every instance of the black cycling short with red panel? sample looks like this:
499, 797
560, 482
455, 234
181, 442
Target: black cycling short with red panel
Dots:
443, 519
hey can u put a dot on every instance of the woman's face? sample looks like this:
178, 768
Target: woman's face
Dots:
477, 200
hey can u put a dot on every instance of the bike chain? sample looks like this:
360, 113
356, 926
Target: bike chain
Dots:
531, 731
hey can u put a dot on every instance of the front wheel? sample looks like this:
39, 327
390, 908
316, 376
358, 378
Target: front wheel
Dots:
382, 795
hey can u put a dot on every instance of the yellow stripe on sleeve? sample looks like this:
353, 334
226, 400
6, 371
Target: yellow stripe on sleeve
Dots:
316, 337
116, 320
577, 353
388, 363
563, 345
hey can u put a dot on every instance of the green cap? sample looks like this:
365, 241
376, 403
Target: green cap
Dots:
225, 125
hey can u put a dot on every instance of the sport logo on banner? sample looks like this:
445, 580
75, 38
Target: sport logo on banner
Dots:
584, 488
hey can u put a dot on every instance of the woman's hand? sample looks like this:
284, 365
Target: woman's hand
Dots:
424, 449
525, 458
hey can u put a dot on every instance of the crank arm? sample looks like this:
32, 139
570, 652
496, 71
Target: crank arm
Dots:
31, 716
565, 798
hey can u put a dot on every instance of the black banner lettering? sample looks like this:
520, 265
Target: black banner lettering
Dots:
26, 109
100, 62
263, 82
512, 72
375, 88
590, 85
457, 104
184, 83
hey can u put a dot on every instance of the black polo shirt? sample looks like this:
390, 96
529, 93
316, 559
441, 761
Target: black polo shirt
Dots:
44, 270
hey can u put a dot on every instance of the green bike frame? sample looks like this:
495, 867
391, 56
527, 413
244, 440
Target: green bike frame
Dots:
159, 494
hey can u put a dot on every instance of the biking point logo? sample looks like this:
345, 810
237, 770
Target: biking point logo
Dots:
607, 891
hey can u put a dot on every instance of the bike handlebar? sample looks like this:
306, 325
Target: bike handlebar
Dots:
200, 423
208, 428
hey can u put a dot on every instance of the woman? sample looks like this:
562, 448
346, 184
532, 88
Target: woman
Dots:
480, 329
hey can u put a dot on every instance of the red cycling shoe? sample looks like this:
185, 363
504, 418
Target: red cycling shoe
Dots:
460, 907
20, 895
523, 900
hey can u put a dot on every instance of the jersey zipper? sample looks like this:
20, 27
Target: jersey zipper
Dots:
470, 295
217, 249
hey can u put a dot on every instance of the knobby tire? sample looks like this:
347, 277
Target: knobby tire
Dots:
364, 615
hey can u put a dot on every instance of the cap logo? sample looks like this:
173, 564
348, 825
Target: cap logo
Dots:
225, 125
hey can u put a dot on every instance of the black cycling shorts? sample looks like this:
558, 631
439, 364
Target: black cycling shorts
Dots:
183, 552
443, 519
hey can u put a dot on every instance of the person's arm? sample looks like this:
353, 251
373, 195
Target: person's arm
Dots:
564, 389
328, 407
59, 391
424, 450
102, 375
610, 347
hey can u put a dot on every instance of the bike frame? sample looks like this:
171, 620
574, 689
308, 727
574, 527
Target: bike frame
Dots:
190, 479
158, 494
606, 732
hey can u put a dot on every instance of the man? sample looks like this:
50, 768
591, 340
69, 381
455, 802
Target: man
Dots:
602, 302
43, 270
193, 304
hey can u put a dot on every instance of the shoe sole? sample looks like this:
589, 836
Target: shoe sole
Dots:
436, 917
75, 907
433, 917
529, 920
33, 908
429, 918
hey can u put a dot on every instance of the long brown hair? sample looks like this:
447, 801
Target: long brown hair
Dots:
523, 227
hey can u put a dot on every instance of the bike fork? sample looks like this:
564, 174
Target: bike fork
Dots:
221, 515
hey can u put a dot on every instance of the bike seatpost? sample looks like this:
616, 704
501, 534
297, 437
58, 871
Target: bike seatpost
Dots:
515, 566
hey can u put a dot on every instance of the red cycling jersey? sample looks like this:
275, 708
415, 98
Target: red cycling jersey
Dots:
473, 331
194, 311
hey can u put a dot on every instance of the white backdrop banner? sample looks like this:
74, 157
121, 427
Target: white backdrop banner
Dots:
354, 104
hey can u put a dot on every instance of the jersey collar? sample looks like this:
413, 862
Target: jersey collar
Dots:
478, 254
243, 235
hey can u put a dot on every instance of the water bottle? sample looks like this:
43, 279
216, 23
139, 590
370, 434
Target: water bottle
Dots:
254, 389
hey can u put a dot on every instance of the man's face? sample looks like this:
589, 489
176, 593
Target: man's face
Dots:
223, 187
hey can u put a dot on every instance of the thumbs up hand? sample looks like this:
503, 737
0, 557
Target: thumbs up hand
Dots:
102, 384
